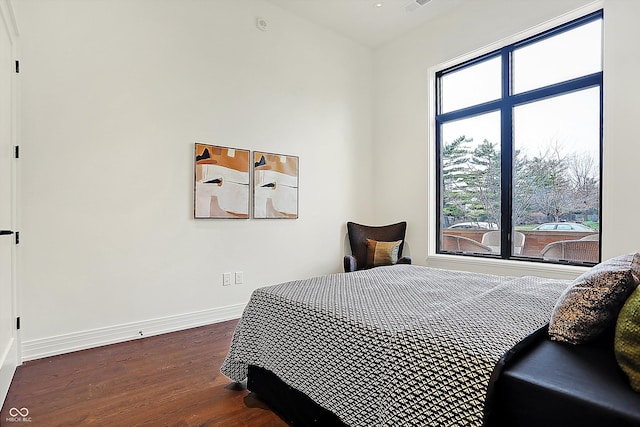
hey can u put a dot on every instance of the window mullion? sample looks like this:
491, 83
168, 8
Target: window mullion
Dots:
506, 154
558, 89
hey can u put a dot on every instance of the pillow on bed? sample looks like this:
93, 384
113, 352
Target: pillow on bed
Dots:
627, 339
382, 253
592, 302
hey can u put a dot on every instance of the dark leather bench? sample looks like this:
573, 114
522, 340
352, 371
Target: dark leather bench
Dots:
555, 384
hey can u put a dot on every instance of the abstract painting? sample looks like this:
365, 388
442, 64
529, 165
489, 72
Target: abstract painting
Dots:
221, 182
275, 185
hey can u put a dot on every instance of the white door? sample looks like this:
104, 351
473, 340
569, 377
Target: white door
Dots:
8, 303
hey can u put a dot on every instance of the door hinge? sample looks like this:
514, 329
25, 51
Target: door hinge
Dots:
17, 66
17, 322
17, 237
17, 152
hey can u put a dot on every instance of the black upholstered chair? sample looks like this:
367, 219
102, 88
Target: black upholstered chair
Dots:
358, 235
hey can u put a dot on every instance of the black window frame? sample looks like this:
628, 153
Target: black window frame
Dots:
505, 105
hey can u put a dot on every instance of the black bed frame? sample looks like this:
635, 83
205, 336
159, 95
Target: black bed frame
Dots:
537, 383
293, 406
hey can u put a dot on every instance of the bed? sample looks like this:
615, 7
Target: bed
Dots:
395, 345
390, 345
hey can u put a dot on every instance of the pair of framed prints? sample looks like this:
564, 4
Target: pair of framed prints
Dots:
222, 184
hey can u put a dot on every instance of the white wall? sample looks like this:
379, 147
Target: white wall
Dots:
114, 95
402, 110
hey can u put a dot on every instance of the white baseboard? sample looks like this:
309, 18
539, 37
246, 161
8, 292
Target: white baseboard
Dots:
52, 346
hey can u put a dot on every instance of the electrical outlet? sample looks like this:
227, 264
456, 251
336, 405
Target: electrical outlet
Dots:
226, 279
238, 277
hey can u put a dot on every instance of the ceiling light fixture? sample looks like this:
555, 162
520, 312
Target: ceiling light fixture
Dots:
378, 4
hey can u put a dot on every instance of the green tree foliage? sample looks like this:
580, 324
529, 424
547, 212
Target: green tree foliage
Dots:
549, 184
454, 165
483, 182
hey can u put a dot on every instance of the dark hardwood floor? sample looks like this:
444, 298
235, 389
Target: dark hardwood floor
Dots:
166, 380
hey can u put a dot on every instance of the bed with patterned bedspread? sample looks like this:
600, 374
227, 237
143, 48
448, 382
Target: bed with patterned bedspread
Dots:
389, 346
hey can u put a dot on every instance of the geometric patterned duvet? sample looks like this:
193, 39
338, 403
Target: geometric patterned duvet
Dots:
392, 346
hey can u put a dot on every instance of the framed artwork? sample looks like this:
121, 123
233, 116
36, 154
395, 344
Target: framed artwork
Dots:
221, 184
275, 185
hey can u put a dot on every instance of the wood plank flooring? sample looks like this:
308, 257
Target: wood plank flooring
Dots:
167, 380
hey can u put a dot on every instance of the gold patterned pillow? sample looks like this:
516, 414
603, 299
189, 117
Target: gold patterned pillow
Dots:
591, 304
627, 339
382, 253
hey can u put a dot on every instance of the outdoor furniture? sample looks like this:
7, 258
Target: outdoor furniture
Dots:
462, 244
492, 240
595, 236
518, 242
572, 250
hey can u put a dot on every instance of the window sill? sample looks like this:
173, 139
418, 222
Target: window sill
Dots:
504, 267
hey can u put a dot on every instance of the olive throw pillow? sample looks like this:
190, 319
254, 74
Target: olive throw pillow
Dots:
627, 339
592, 303
382, 253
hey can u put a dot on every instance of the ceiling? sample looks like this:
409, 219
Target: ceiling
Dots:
370, 22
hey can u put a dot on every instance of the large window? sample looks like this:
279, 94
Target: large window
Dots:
519, 143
